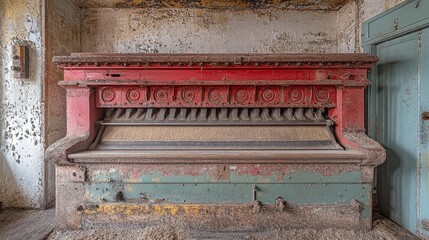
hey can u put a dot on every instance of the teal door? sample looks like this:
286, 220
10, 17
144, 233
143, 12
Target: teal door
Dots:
397, 130
397, 101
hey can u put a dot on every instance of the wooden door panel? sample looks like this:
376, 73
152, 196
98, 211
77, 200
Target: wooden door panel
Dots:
398, 123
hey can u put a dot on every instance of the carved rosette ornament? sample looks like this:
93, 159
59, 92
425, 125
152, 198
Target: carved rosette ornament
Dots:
108, 95
242, 96
296, 95
133, 95
215, 96
322, 95
160, 95
268, 95
188, 95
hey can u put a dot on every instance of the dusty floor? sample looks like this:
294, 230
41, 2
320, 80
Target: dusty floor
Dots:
32, 224
383, 230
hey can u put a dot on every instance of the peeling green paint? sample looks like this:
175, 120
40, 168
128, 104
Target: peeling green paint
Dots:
298, 194
233, 177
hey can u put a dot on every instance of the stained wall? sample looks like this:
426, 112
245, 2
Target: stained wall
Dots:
22, 166
62, 37
207, 31
350, 18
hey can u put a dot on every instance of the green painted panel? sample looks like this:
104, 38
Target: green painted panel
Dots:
294, 187
317, 194
191, 193
102, 192
232, 193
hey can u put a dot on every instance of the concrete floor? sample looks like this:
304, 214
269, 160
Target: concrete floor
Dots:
26, 224
38, 225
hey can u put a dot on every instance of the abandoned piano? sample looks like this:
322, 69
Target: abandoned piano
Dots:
215, 141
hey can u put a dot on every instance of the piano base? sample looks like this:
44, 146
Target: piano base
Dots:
215, 197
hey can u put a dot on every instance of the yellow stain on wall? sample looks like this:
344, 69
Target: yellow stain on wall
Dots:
15, 9
192, 209
156, 209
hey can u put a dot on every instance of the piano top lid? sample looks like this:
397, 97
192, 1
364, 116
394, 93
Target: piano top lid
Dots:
222, 58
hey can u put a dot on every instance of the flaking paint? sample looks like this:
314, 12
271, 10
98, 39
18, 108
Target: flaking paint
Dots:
314, 5
207, 31
354, 13
22, 168
234, 173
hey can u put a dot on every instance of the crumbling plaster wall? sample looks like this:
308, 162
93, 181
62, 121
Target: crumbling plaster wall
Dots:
22, 175
33, 110
62, 37
207, 31
350, 18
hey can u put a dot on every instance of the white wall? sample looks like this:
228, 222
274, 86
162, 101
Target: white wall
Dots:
22, 168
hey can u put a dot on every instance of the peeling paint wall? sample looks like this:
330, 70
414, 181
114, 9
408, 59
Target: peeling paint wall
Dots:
354, 13
207, 31
299, 5
22, 175
347, 28
370, 8
62, 37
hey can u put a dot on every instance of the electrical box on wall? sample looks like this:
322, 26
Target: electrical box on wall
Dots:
20, 61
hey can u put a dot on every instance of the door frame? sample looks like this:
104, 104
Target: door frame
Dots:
406, 18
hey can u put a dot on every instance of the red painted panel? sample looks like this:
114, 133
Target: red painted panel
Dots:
337, 86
